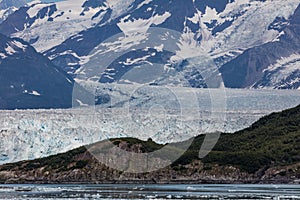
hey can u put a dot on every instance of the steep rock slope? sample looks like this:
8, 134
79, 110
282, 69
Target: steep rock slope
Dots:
8, 7
275, 64
29, 80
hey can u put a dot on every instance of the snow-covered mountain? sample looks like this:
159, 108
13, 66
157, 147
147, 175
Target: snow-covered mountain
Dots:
205, 35
45, 25
222, 30
275, 64
30, 80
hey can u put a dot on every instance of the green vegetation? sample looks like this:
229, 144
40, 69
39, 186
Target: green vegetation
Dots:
80, 164
272, 140
58, 162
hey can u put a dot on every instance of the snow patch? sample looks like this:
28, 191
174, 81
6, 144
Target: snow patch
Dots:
10, 50
196, 18
210, 14
145, 2
80, 103
135, 61
283, 62
19, 45
35, 93
31, 3
2, 55
35, 8
159, 48
6, 12
283, 68
136, 26
188, 47
119, 7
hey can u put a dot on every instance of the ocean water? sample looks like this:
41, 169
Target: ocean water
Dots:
155, 191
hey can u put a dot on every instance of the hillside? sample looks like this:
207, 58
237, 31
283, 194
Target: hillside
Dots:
266, 152
272, 140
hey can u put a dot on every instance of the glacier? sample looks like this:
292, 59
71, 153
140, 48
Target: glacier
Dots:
140, 112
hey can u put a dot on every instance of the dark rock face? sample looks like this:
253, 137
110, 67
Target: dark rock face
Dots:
91, 38
93, 3
20, 18
30, 80
14, 22
8, 7
248, 69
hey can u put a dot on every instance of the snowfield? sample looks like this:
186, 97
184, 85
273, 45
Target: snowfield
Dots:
67, 19
135, 112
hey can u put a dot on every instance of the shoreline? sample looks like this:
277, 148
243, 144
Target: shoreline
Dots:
153, 182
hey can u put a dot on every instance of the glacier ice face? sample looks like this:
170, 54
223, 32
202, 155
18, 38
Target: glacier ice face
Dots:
133, 112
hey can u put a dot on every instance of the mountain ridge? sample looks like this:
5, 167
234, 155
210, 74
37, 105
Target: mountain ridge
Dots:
226, 30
